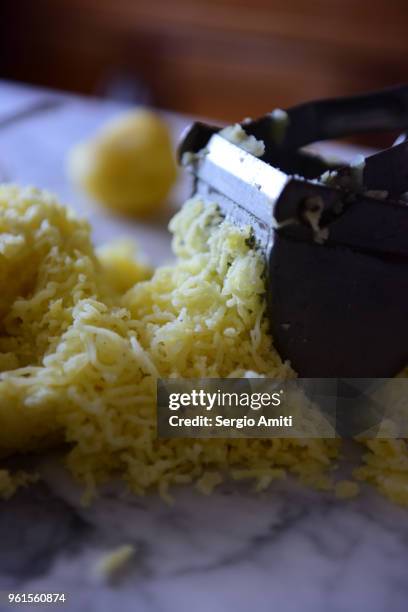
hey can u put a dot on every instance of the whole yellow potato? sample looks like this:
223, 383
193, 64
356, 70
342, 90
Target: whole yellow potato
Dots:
129, 166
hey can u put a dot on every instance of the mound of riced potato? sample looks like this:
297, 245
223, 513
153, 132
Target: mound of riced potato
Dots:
84, 338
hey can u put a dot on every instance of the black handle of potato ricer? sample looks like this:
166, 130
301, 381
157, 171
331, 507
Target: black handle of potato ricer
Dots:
332, 118
313, 121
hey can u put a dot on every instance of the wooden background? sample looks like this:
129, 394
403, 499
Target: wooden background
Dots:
221, 58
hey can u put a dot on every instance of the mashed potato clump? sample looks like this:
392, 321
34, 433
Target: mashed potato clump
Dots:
80, 354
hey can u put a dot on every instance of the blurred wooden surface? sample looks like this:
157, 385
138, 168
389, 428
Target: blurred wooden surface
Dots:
221, 58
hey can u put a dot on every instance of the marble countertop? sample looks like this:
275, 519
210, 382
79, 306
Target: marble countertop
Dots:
287, 550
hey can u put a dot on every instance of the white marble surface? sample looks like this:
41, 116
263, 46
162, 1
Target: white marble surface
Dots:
287, 550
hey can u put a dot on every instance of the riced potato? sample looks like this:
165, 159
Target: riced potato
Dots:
81, 348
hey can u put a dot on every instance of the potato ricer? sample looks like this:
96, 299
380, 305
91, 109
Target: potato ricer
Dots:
335, 237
